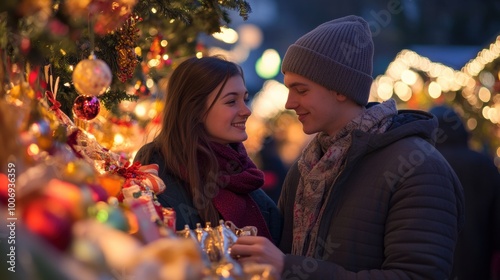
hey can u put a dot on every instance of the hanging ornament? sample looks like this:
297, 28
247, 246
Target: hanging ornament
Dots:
127, 58
92, 76
86, 107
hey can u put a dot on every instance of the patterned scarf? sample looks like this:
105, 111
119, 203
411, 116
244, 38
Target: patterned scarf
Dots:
320, 165
238, 176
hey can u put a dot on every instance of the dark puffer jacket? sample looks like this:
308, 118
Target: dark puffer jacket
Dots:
394, 212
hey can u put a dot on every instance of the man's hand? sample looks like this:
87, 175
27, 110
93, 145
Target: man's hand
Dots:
258, 249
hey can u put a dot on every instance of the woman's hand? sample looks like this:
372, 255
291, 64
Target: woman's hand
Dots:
258, 249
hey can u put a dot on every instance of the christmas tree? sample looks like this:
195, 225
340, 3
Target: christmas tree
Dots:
138, 39
77, 209
106, 56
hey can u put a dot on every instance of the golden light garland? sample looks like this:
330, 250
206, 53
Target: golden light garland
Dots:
417, 82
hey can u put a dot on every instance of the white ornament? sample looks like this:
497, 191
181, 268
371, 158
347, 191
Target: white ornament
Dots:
92, 76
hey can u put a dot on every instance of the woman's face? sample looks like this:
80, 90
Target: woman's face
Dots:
225, 122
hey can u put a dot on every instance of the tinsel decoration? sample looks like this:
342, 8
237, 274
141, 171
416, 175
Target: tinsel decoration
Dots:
127, 35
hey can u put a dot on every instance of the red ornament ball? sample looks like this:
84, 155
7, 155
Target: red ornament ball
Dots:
86, 107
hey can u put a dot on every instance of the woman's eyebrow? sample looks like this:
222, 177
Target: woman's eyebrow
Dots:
233, 93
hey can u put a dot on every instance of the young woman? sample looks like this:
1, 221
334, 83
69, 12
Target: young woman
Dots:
200, 154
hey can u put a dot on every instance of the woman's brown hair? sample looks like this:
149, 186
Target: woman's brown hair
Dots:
183, 140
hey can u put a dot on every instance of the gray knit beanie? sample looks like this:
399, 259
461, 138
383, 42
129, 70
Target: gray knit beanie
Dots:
338, 55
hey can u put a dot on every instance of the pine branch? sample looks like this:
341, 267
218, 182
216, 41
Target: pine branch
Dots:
67, 40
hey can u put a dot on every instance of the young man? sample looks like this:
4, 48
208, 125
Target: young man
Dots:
370, 197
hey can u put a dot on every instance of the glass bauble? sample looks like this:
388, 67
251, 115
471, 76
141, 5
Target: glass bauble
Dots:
92, 76
86, 107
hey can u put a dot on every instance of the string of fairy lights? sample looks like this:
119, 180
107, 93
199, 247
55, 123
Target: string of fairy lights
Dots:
417, 82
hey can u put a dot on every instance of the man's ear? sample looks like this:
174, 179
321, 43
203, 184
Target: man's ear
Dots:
340, 97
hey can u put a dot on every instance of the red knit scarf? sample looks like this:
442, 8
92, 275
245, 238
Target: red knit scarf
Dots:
238, 177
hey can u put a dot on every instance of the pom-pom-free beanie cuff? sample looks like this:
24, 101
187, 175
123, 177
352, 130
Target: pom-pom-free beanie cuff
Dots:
319, 68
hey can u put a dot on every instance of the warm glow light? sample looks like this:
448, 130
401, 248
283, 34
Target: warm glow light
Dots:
385, 89
226, 35
474, 68
434, 90
395, 69
484, 112
471, 124
152, 113
118, 139
493, 115
434, 71
36, 129
163, 43
409, 77
402, 90
461, 78
150, 83
138, 51
484, 94
425, 64
270, 100
153, 63
33, 150
250, 36
154, 10
140, 110
199, 54
443, 82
